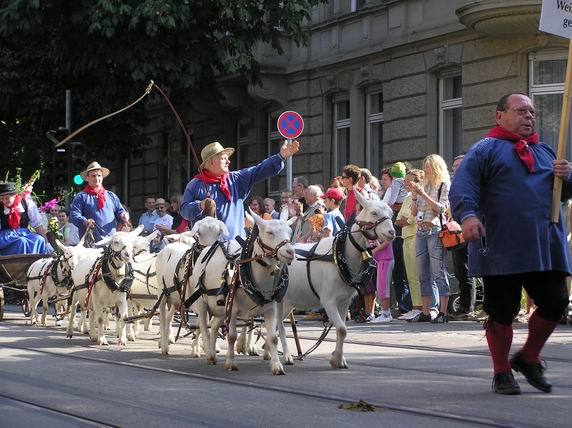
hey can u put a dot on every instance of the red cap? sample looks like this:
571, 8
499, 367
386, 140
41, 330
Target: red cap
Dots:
333, 193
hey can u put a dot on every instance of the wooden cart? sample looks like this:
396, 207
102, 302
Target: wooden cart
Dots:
13, 278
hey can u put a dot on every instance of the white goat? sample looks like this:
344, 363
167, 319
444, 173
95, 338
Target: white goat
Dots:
335, 294
171, 264
111, 265
272, 248
144, 291
50, 277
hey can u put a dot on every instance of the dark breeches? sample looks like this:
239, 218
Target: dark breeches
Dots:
503, 293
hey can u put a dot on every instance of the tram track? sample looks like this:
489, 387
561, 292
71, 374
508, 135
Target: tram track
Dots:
72, 417
337, 399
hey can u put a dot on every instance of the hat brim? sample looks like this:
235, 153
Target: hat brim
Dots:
228, 150
10, 192
104, 172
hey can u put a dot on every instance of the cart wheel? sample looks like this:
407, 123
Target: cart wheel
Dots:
26, 307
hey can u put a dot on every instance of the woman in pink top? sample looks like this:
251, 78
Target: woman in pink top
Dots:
383, 255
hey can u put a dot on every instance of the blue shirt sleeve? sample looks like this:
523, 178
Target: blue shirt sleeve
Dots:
465, 189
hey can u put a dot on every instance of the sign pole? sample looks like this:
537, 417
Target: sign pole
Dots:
289, 170
562, 136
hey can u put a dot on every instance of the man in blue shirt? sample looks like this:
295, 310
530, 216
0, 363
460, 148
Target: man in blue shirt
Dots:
227, 189
502, 194
149, 217
95, 207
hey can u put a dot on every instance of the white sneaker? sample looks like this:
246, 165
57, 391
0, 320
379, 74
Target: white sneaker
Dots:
382, 318
409, 315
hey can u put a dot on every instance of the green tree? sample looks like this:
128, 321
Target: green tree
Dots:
106, 52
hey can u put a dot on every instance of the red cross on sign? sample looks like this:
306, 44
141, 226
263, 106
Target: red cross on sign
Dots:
290, 125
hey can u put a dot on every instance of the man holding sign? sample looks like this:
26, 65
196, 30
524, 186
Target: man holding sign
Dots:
502, 195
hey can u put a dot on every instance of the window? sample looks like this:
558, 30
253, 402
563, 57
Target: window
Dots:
357, 5
341, 134
277, 183
547, 73
450, 117
374, 132
246, 152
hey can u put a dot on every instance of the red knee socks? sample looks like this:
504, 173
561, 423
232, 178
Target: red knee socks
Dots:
499, 339
539, 330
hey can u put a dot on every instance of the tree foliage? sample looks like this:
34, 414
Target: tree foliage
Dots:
106, 52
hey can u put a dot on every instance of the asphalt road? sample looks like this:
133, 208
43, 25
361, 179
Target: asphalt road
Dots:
407, 375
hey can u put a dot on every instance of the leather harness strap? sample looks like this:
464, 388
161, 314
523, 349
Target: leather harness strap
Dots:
309, 256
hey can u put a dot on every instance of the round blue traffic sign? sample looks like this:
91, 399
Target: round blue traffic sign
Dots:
290, 125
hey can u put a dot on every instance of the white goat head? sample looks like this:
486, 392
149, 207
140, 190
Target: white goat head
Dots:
207, 231
141, 243
71, 254
375, 219
121, 243
275, 235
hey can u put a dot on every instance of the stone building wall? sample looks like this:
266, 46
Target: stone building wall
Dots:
400, 47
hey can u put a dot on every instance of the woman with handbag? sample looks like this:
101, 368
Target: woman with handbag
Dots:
430, 202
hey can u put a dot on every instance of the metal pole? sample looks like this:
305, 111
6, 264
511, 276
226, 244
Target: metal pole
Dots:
289, 170
68, 110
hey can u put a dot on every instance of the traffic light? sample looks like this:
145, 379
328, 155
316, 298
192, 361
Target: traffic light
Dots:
79, 158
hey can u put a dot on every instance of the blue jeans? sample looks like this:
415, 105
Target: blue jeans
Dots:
430, 259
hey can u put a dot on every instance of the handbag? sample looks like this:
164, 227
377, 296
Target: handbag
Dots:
451, 235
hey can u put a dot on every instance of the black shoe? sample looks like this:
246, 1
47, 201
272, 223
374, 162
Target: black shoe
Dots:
505, 383
533, 372
421, 318
440, 318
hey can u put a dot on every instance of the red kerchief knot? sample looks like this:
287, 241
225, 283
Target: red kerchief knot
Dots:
99, 193
14, 215
520, 144
208, 177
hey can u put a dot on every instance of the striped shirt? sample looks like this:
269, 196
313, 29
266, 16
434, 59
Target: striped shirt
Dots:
427, 212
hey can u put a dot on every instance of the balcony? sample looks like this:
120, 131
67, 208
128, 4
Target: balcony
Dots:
502, 18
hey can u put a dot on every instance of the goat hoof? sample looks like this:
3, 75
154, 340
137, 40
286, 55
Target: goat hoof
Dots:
253, 351
288, 360
103, 342
277, 369
211, 361
230, 367
338, 363
266, 356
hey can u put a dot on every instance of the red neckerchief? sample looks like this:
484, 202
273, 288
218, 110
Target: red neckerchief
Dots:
208, 177
14, 215
521, 144
100, 195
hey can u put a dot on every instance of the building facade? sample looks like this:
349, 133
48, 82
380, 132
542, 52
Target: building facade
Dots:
379, 81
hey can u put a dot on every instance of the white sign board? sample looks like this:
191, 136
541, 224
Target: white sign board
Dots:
556, 17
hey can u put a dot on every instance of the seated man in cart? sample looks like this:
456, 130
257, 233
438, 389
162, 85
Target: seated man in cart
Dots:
17, 212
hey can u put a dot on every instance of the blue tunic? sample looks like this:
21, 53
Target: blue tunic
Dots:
240, 184
493, 184
84, 206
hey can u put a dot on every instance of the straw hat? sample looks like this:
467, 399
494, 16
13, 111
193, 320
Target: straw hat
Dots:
213, 149
7, 188
92, 166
